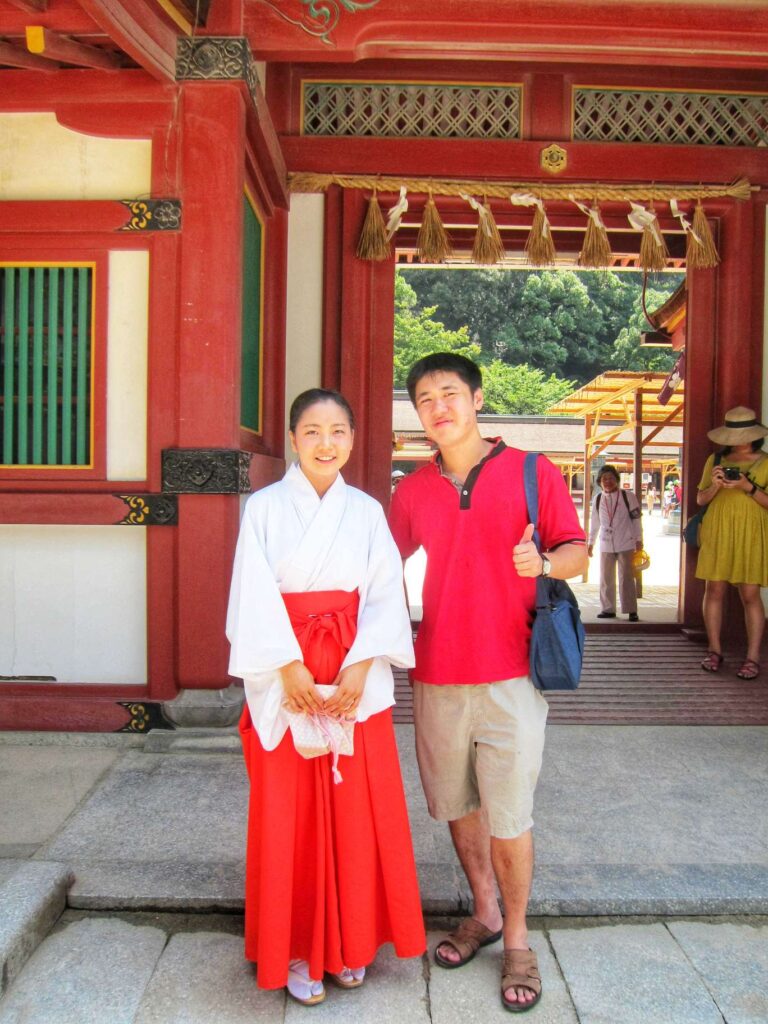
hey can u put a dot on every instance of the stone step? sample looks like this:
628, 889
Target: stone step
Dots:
32, 896
172, 969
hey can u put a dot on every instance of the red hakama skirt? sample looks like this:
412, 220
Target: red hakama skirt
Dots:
330, 873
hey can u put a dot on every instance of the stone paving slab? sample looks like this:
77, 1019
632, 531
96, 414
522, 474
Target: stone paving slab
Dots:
41, 786
473, 992
394, 990
167, 885
32, 899
89, 972
733, 961
203, 978
628, 820
153, 809
631, 974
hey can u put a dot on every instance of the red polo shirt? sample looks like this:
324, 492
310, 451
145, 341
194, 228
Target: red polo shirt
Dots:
478, 612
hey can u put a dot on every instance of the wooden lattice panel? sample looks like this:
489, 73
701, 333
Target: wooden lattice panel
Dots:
416, 110
681, 118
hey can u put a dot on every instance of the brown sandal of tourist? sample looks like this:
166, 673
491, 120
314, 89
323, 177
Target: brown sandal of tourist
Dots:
749, 670
466, 940
712, 661
520, 969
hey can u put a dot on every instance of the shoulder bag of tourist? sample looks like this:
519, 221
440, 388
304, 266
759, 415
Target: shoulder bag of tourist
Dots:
692, 529
557, 636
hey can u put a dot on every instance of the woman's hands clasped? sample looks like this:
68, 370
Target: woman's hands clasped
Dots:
349, 691
301, 694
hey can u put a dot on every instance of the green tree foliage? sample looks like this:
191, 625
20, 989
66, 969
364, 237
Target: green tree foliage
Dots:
573, 324
507, 389
417, 334
521, 390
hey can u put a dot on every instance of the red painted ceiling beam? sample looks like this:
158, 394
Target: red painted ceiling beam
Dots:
31, 6
724, 34
46, 43
14, 57
139, 29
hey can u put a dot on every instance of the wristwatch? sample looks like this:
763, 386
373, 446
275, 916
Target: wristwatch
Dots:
546, 566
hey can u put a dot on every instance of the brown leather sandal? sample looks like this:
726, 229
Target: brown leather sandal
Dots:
466, 940
520, 970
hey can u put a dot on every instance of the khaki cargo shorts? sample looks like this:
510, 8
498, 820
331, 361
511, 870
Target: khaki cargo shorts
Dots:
481, 746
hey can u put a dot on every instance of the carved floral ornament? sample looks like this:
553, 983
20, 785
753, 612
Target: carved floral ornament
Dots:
434, 245
317, 17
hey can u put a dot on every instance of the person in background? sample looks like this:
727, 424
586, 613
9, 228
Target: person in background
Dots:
733, 546
617, 518
650, 498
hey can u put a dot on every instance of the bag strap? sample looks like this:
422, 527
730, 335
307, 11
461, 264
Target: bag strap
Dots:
531, 484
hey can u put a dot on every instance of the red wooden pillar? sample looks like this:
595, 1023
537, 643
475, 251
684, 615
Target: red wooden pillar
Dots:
212, 172
358, 340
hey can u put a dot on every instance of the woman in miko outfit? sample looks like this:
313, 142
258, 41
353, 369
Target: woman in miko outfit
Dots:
317, 598
734, 533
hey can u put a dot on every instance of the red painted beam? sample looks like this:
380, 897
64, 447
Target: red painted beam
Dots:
54, 216
53, 46
33, 509
141, 30
15, 57
563, 31
520, 161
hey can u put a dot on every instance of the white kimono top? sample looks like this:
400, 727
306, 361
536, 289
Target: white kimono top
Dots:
291, 541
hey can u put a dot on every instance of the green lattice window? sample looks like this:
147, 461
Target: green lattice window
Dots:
250, 353
46, 324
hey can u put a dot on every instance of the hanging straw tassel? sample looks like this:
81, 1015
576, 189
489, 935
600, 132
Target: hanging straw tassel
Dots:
373, 244
653, 248
433, 244
700, 250
540, 249
596, 249
488, 247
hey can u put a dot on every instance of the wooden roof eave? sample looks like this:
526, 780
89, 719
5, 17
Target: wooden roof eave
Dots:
139, 30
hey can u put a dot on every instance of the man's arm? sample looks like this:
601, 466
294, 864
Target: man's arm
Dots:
567, 559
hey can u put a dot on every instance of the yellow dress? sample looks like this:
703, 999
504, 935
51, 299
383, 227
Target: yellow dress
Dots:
734, 532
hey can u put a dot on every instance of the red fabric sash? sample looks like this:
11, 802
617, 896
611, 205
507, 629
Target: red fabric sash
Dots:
325, 624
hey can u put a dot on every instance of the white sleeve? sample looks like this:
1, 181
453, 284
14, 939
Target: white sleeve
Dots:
383, 623
594, 520
258, 627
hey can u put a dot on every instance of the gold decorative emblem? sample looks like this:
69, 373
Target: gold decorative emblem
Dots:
554, 159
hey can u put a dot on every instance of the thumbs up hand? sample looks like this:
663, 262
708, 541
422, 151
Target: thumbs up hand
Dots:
526, 558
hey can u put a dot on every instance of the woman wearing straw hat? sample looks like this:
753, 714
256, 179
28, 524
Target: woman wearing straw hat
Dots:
734, 533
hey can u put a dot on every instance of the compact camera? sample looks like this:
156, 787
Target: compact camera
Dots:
731, 473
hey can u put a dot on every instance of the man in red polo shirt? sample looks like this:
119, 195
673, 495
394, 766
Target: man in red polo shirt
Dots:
479, 719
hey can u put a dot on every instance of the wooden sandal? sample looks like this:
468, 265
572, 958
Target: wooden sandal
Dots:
749, 670
466, 940
520, 969
712, 661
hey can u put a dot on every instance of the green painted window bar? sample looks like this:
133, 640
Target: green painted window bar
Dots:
45, 365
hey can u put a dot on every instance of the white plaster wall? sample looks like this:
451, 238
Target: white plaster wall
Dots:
127, 333
304, 319
73, 603
41, 159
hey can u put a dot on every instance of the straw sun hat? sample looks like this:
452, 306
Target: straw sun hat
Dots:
741, 426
